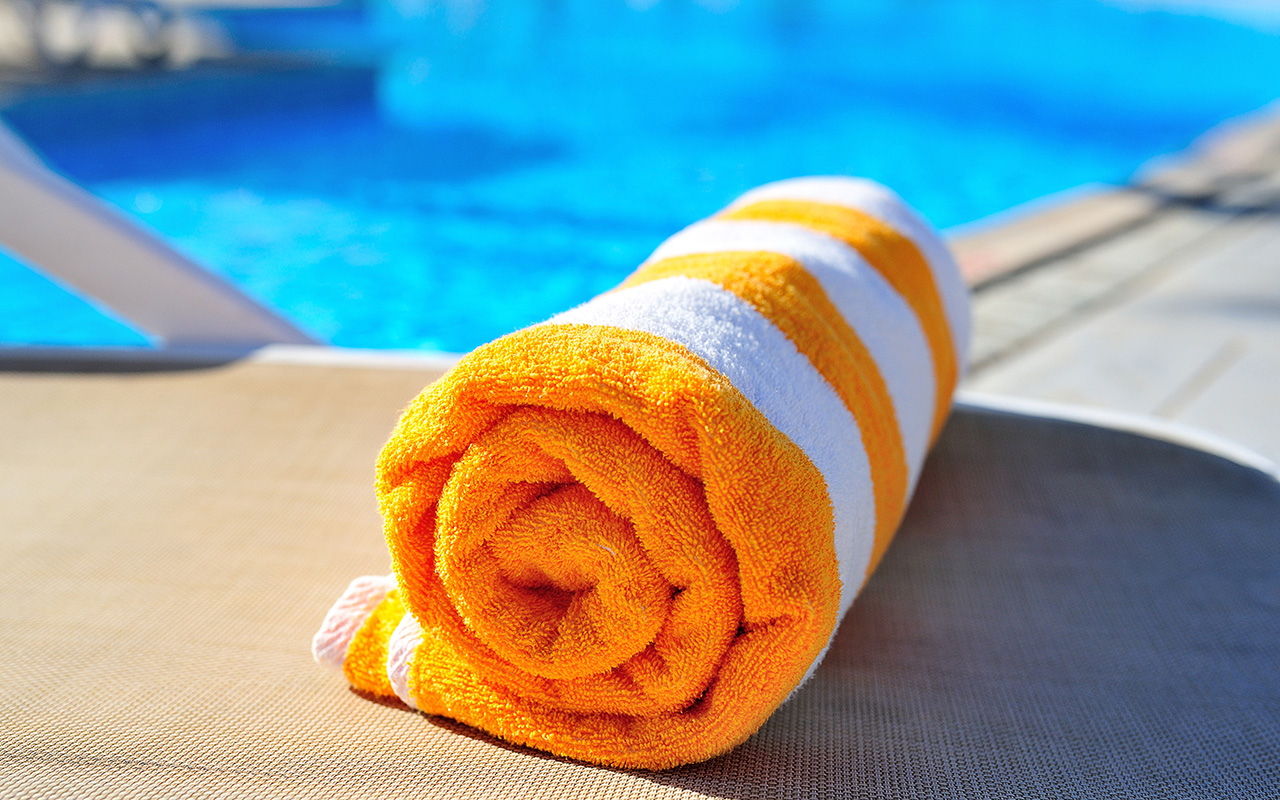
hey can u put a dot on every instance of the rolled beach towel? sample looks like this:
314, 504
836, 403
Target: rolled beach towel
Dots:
626, 535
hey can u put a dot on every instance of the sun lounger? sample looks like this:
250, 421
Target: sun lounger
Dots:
68, 233
1071, 610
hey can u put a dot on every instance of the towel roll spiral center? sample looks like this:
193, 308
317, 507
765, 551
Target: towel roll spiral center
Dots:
555, 548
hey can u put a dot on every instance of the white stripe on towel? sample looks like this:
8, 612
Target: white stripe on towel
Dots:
876, 201
878, 315
331, 642
401, 646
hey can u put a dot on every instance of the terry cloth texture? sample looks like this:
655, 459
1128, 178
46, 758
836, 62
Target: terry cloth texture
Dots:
627, 534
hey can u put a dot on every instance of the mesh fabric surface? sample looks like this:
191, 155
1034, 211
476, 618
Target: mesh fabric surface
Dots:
1069, 611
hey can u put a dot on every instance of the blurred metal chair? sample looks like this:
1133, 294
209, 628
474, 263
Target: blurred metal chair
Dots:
64, 34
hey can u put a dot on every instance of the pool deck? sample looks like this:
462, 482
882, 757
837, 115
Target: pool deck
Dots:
1161, 298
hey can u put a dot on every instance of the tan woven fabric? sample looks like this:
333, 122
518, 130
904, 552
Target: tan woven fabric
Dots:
1069, 612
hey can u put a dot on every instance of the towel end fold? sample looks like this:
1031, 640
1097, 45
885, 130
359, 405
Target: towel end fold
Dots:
330, 644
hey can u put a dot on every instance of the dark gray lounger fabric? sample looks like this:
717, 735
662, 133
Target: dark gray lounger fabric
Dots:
1069, 612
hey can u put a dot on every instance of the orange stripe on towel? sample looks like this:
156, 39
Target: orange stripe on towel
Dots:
783, 291
366, 663
891, 254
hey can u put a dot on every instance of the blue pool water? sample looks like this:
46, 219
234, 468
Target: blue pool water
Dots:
451, 177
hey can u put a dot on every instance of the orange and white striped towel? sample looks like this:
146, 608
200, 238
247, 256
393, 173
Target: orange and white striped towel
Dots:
627, 534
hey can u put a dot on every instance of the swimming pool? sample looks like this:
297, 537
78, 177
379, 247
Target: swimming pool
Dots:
449, 178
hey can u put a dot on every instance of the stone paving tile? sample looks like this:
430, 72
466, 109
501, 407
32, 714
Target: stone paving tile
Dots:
1183, 322
1013, 313
1023, 237
1176, 316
